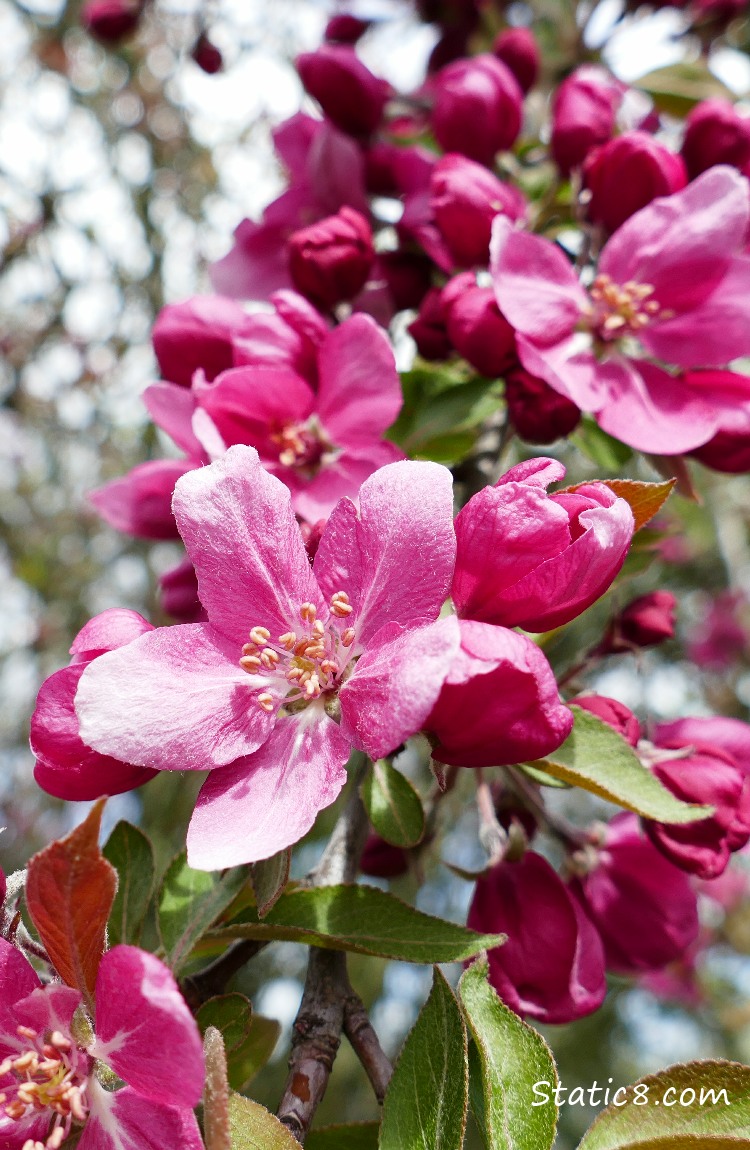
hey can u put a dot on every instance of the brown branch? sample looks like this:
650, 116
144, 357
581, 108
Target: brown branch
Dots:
366, 1045
212, 980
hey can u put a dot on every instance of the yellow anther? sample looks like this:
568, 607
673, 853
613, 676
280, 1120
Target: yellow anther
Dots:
269, 658
307, 612
26, 1032
347, 636
340, 604
318, 629
287, 640
312, 686
260, 636
315, 651
328, 667
265, 702
25, 1060
250, 663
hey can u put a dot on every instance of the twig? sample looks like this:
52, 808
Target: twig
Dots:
366, 1045
569, 834
212, 980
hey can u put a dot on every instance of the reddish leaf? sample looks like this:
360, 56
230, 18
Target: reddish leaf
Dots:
645, 499
70, 888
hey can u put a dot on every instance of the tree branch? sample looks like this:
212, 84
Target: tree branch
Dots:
366, 1045
212, 980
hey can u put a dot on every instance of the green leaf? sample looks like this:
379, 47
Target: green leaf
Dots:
249, 1039
355, 1136
189, 902
427, 1098
132, 856
442, 411
602, 449
510, 1059
541, 777
364, 920
393, 806
255, 1128
595, 757
711, 1121
677, 88
269, 878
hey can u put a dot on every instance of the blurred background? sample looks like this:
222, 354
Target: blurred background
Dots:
123, 171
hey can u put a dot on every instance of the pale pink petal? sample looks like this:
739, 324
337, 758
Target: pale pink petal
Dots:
395, 685
359, 394
251, 404
395, 557
171, 407
256, 265
140, 1014
537, 472
241, 534
653, 411
49, 1008
317, 498
124, 1120
336, 171
269, 800
140, 502
17, 979
15, 1135
569, 367
106, 631
536, 287
175, 699
714, 332
682, 244
292, 139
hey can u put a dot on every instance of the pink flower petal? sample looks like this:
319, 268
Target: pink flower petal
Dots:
269, 800
682, 244
360, 391
49, 1008
316, 499
536, 288
251, 404
175, 699
242, 536
171, 407
140, 1014
108, 630
140, 502
17, 979
570, 368
256, 265
124, 1120
395, 685
395, 557
653, 411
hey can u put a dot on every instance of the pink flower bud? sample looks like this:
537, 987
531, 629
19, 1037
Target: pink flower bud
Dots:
207, 56
499, 703
350, 95
345, 29
476, 327
65, 766
517, 47
179, 593
195, 334
715, 133
533, 560
478, 107
721, 638
429, 330
583, 115
408, 275
331, 260
465, 198
627, 173
111, 20
552, 966
728, 450
539, 414
620, 717
645, 622
643, 907
382, 860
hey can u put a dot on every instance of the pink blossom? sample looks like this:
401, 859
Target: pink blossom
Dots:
197, 333
350, 95
144, 1033
532, 560
613, 712
286, 647
519, 51
584, 111
672, 284
65, 766
552, 966
478, 106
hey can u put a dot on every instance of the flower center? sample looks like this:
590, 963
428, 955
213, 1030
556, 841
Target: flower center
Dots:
620, 310
303, 446
304, 663
46, 1076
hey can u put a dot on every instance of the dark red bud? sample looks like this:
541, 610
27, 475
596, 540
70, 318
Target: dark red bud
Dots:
715, 133
518, 48
207, 56
536, 411
331, 260
625, 174
645, 622
611, 711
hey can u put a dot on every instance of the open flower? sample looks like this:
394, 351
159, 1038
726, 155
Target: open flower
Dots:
54, 1065
286, 650
672, 284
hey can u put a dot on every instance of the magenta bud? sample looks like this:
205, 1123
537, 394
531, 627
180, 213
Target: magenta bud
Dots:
715, 133
539, 414
197, 334
465, 198
330, 261
111, 20
583, 115
552, 967
728, 450
627, 173
476, 327
345, 29
518, 49
616, 714
429, 330
312, 533
645, 622
207, 56
408, 276
382, 860
643, 906
350, 95
478, 107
